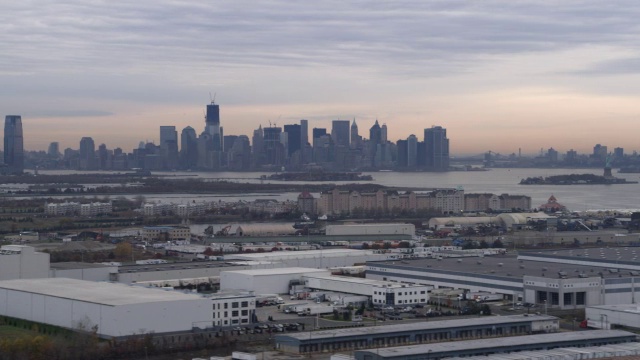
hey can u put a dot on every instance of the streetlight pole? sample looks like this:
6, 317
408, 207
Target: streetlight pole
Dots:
545, 307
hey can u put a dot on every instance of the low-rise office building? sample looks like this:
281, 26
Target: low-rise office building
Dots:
166, 233
380, 292
232, 308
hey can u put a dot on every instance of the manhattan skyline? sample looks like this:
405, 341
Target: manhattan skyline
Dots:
499, 75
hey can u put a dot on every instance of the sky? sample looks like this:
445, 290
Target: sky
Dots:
498, 75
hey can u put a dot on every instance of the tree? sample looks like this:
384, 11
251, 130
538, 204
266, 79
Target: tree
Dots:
497, 244
123, 250
484, 244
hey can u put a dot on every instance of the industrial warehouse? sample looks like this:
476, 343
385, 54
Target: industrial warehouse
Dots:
265, 281
114, 310
415, 333
571, 279
319, 259
490, 347
543, 278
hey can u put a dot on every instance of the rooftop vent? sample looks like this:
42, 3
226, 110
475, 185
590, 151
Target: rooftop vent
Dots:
562, 274
500, 264
613, 271
582, 275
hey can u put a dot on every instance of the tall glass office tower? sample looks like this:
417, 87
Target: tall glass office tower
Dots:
13, 144
212, 125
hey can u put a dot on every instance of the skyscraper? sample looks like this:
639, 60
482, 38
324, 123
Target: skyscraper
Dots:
188, 148
340, 132
54, 150
318, 132
87, 154
304, 132
355, 137
294, 138
437, 149
412, 151
13, 144
375, 139
273, 148
212, 123
239, 156
169, 146
403, 152
257, 143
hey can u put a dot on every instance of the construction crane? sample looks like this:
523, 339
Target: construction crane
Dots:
224, 231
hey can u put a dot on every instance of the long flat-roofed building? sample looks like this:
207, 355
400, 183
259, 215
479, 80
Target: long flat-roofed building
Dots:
265, 281
489, 347
22, 262
414, 333
608, 316
617, 351
316, 258
555, 284
114, 309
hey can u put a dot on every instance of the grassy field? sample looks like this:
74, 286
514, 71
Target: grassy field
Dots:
13, 332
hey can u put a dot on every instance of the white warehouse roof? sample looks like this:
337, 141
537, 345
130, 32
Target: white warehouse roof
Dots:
360, 281
278, 255
439, 222
102, 293
277, 271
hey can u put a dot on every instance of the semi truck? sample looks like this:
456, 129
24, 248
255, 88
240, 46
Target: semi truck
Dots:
480, 296
268, 299
315, 310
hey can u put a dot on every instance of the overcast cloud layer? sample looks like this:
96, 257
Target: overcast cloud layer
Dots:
556, 70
